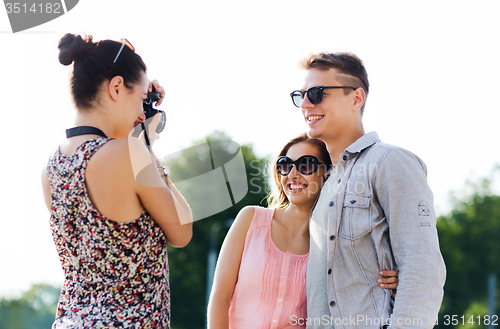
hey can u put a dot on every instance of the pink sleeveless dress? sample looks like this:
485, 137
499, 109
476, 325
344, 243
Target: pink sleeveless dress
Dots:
116, 274
270, 292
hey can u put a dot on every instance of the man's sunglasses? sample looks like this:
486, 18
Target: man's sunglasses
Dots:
306, 165
314, 94
124, 43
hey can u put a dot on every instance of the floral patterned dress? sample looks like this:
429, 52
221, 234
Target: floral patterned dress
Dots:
116, 274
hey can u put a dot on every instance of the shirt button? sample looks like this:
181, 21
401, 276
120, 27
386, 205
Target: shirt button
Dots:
274, 321
282, 276
332, 237
339, 180
280, 300
331, 204
329, 271
332, 303
344, 157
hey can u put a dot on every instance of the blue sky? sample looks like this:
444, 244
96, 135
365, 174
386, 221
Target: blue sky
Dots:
433, 69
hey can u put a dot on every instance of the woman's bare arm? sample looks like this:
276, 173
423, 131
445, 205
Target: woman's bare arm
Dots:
226, 272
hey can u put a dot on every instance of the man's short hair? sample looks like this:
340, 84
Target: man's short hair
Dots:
351, 69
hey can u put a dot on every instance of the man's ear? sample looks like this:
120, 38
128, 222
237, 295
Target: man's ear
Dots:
115, 87
358, 98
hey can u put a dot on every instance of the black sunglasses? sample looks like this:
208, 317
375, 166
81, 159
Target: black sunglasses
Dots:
124, 43
314, 94
306, 165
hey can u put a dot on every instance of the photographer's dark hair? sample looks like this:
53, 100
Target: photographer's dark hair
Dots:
92, 62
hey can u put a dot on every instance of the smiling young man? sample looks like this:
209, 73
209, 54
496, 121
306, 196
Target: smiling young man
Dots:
375, 212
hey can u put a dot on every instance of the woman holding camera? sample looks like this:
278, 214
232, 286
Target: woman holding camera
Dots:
113, 208
260, 277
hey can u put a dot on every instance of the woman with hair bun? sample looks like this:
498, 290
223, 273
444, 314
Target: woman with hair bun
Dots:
110, 228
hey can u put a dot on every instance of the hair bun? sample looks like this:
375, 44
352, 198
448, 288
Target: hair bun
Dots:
73, 47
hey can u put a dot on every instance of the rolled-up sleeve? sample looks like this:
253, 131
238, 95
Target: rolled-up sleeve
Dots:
407, 202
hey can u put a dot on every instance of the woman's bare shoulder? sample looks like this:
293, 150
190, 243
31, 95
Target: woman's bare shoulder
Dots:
121, 152
243, 220
113, 158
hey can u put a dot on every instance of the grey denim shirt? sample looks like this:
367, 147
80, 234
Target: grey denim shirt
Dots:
380, 216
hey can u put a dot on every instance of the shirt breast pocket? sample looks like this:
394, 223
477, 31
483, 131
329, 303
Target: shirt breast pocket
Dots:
356, 221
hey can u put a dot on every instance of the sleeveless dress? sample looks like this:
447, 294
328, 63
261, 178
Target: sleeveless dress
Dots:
116, 274
271, 287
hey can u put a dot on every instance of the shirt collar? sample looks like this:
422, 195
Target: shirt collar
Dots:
363, 142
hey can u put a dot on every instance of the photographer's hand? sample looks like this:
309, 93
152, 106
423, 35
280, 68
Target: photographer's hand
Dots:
152, 123
159, 89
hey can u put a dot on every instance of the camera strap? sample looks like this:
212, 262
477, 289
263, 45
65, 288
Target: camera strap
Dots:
84, 130
146, 136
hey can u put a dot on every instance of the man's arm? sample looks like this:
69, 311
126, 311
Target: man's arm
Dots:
402, 189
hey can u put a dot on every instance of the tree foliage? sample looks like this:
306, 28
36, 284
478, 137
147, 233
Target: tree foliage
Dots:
470, 243
35, 309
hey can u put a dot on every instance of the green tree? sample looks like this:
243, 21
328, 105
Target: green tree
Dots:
188, 266
469, 240
35, 309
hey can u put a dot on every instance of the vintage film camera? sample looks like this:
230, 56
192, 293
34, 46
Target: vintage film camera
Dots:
150, 111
